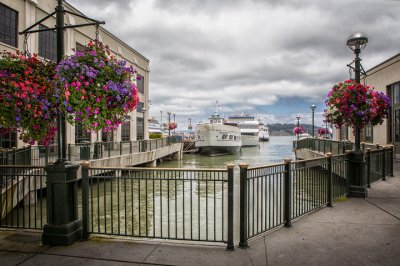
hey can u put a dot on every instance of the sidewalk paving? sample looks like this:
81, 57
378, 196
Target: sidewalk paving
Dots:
353, 232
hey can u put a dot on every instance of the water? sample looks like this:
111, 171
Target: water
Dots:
270, 152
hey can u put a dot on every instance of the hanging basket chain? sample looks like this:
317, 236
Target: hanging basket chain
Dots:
97, 34
26, 46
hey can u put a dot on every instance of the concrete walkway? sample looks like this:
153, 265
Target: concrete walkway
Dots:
353, 232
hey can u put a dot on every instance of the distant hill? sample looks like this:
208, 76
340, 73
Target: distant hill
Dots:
287, 129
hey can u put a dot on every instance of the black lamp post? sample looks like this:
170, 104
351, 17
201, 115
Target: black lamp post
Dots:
357, 42
312, 117
174, 123
169, 124
190, 126
63, 225
298, 125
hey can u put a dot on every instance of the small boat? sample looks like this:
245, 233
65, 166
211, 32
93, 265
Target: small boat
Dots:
263, 134
215, 138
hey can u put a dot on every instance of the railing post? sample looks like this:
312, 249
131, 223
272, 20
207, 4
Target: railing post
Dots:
330, 173
287, 211
85, 199
120, 148
391, 159
368, 158
243, 205
384, 164
230, 245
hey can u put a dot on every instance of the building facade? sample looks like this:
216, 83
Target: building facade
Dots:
17, 15
386, 77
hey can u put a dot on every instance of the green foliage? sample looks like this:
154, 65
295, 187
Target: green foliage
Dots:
154, 135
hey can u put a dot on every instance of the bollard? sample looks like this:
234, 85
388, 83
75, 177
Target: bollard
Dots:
243, 205
287, 211
329, 185
230, 245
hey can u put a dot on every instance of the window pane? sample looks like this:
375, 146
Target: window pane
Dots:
126, 129
8, 25
139, 128
140, 83
396, 93
81, 135
47, 44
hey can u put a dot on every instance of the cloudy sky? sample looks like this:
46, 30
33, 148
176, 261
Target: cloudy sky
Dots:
272, 59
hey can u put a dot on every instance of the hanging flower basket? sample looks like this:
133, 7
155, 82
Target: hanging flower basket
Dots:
27, 97
95, 89
356, 105
298, 130
322, 131
172, 126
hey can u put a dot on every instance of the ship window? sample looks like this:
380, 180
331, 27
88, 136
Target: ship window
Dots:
224, 136
230, 137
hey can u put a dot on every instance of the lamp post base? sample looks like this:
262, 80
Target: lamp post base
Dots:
357, 182
62, 234
63, 224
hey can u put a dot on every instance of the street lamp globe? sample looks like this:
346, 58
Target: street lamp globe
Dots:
357, 40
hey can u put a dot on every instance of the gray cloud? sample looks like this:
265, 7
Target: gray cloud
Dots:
250, 55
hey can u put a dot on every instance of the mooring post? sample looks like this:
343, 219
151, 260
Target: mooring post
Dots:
287, 211
243, 205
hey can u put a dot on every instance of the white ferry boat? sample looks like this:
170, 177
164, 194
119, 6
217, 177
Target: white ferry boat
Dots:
215, 138
248, 129
263, 134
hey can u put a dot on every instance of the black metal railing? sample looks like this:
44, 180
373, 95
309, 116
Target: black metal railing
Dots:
336, 147
189, 204
379, 164
42, 156
99, 150
274, 195
262, 201
31, 155
22, 197
183, 204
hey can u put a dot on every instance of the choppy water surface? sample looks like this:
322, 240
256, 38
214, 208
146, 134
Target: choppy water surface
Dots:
269, 152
